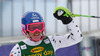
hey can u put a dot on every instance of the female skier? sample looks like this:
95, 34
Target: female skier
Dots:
37, 43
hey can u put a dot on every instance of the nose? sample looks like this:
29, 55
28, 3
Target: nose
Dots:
37, 32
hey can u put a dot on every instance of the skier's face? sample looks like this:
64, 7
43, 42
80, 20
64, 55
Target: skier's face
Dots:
35, 30
36, 35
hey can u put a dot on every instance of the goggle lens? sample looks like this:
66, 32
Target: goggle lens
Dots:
32, 27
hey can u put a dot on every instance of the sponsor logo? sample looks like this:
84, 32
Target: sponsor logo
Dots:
47, 41
50, 52
35, 21
37, 49
45, 53
23, 47
34, 16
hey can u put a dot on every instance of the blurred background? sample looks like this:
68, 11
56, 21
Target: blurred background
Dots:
11, 12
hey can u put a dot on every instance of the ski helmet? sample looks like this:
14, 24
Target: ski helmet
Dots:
31, 19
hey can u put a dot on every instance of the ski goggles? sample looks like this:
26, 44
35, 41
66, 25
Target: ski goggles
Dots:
32, 27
